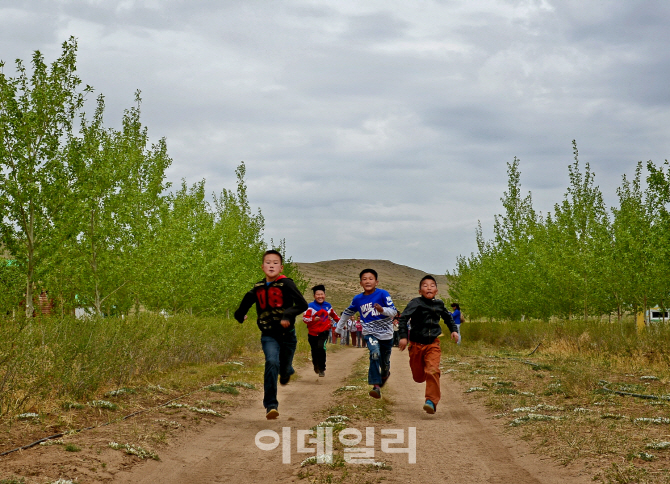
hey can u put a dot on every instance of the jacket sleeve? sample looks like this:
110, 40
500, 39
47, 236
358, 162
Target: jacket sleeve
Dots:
333, 314
342, 323
299, 303
449, 321
389, 309
405, 317
247, 301
308, 316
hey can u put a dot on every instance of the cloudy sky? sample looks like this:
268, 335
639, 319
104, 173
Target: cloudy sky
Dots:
374, 129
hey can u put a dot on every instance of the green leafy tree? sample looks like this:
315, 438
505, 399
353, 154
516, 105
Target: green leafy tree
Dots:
36, 113
581, 232
179, 252
513, 237
141, 169
658, 206
237, 246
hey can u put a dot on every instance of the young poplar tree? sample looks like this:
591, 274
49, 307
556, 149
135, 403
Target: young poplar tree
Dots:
513, 232
658, 202
94, 251
36, 113
634, 258
142, 183
179, 253
582, 230
237, 246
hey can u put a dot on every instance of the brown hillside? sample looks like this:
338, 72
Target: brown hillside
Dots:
341, 280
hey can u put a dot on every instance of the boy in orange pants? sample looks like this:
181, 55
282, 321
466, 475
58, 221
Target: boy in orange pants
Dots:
423, 314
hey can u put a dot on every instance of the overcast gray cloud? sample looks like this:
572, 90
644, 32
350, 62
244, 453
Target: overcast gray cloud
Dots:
375, 129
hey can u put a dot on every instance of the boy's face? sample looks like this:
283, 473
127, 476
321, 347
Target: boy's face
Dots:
272, 266
319, 296
428, 289
368, 282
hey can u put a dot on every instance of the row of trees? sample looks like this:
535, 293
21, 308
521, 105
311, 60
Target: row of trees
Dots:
581, 260
85, 211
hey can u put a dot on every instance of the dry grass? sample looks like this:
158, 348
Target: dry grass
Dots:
560, 407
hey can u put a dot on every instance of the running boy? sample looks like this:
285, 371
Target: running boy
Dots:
377, 310
317, 317
423, 313
278, 301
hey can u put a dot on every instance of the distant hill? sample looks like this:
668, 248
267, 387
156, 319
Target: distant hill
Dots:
341, 280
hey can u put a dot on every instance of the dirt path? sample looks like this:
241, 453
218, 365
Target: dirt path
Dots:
227, 452
459, 443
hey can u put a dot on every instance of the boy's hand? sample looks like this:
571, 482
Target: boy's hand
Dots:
317, 319
286, 323
454, 336
379, 308
402, 344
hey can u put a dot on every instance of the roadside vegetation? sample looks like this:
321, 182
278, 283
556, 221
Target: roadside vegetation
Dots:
83, 373
581, 260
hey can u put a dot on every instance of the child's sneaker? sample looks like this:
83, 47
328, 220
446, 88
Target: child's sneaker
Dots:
322, 373
376, 392
384, 378
272, 414
429, 407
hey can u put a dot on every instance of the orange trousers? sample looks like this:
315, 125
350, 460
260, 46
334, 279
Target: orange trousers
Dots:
424, 361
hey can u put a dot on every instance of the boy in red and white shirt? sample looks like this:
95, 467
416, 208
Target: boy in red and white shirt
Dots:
318, 319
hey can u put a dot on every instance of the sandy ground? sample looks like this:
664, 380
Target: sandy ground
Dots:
459, 444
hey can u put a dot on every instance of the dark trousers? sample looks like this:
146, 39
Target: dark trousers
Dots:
380, 359
278, 362
318, 345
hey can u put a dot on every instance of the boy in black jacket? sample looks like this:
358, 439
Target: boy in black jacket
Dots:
423, 314
278, 301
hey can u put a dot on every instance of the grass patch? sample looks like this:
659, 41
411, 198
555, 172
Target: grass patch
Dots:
72, 359
556, 400
223, 388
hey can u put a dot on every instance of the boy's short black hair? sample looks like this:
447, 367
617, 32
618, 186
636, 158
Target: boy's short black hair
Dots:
275, 252
318, 287
371, 271
456, 306
427, 277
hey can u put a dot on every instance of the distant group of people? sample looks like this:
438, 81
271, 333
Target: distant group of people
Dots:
380, 327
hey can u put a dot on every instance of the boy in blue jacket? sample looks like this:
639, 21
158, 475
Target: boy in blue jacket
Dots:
377, 310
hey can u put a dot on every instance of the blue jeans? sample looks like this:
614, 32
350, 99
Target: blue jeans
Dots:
380, 358
278, 362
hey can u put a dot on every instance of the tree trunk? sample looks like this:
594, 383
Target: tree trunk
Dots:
30, 241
